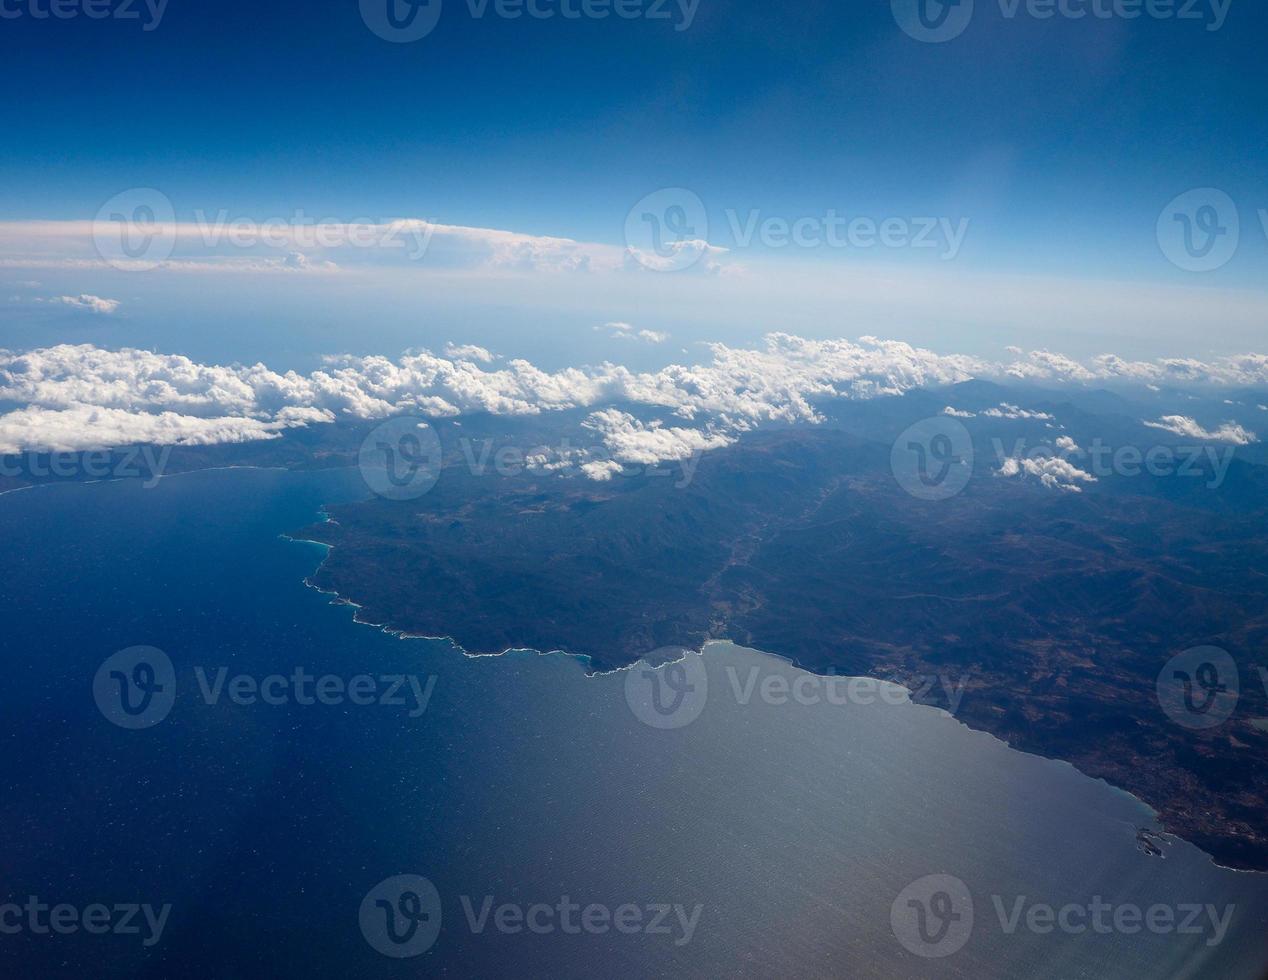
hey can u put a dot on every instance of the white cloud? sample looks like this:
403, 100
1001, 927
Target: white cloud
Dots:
86, 427
788, 289
86, 301
786, 380
1067, 444
957, 413
1007, 411
1052, 472
625, 331
632, 441
693, 256
1182, 425
221, 243
468, 352
295, 262
601, 469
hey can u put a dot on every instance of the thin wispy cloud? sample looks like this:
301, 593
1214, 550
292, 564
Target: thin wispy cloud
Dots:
90, 303
468, 352
1182, 425
222, 244
626, 331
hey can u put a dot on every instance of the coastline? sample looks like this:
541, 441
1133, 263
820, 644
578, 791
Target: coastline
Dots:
1159, 829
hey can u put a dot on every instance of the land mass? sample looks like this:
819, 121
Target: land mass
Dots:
1057, 609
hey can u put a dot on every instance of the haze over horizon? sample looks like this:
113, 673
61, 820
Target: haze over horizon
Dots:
1022, 183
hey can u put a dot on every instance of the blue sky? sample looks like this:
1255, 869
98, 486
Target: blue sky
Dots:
1059, 141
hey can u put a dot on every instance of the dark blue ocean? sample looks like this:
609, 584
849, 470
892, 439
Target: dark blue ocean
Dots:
771, 837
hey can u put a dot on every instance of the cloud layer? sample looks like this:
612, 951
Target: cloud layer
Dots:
224, 243
86, 397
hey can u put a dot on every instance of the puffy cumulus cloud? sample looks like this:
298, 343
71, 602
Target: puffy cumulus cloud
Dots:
373, 387
601, 469
137, 380
86, 301
630, 440
1043, 365
299, 415
1067, 445
1007, 411
468, 352
738, 388
1047, 366
1053, 472
958, 414
787, 379
1182, 425
87, 427
556, 459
